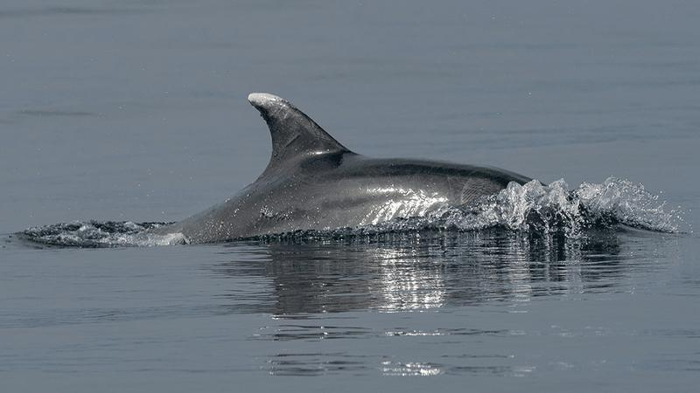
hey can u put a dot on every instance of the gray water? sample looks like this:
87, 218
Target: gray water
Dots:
131, 110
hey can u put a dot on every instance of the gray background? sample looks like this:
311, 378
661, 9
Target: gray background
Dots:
133, 110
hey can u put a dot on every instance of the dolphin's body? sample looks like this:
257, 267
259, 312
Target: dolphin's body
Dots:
314, 183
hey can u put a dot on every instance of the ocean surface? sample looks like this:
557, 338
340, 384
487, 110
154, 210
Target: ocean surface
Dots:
115, 113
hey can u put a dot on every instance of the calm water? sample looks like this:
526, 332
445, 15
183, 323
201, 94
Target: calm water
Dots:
131, 110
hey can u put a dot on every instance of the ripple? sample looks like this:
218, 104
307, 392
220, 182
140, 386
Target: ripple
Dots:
532, 208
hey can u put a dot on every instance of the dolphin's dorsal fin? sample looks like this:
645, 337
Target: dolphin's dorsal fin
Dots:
294, 135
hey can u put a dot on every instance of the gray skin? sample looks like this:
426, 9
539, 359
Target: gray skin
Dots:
314, 183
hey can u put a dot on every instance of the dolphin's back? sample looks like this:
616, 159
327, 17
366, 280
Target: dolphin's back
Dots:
314, 183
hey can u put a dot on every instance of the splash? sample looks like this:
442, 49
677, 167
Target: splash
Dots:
532, 209
100, 234
538, 209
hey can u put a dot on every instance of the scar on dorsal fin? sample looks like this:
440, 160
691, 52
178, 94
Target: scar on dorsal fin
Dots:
294, 134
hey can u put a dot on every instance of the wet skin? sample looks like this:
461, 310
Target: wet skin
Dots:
314, 183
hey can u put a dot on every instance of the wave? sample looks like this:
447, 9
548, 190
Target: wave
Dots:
100, 234
531, 209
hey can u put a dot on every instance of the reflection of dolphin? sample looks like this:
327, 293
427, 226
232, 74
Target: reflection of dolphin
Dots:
393, 272
314, 183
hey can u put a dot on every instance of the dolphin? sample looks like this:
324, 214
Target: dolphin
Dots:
313, 182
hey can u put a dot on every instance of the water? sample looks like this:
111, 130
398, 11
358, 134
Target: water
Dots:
136, 112
532, 209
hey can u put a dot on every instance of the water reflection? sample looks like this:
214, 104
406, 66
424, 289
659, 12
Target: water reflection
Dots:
319, 291
413, 272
